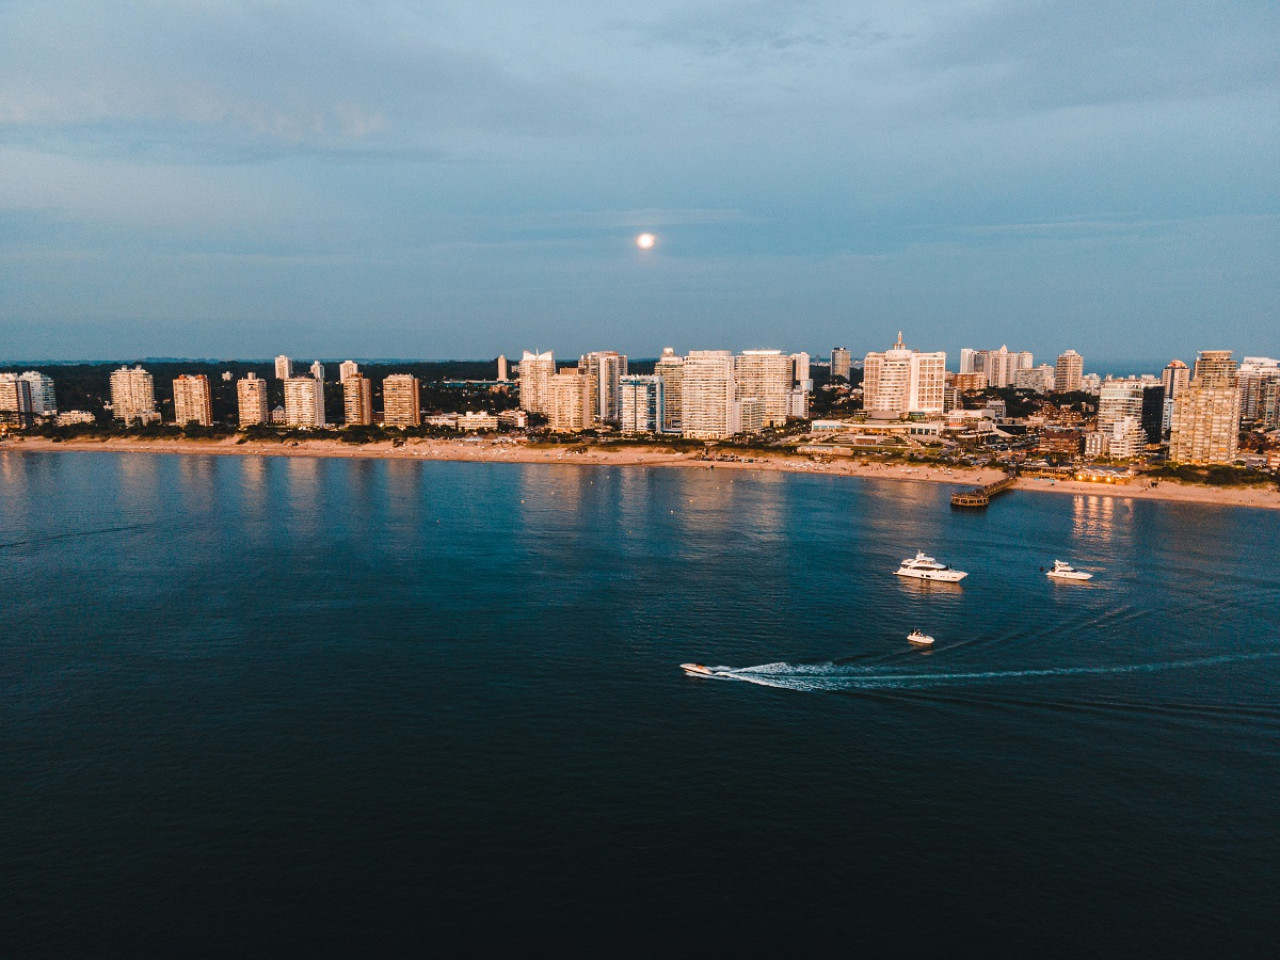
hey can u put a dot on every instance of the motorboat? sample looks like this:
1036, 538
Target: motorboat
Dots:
1065, 571
920, 638
697, 670
922, 567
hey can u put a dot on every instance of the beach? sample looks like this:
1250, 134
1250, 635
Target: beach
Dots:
505, 450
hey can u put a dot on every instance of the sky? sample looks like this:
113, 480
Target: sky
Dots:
200, 178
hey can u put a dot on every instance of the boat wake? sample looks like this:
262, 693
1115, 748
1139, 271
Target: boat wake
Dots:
837, 677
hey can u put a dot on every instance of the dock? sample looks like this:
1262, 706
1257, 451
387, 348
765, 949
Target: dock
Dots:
981, 496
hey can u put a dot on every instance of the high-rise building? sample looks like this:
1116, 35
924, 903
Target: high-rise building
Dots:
133, 396
357, 401
400, 401
798, 404
1119, 399
502, 367
44, 402
900, 381
16, 405
1068, 373
800, 372
536, 371
1206, 415
640, 403
606, 368
840, 362
570, 401
192, 400
1175, 378
284, 367
709, 409
304, 402
1254, 373
1269, 405
766, 375
317, 369
1036, 379
670, 368
347, 369
1000, 366
251, 400
1125, 438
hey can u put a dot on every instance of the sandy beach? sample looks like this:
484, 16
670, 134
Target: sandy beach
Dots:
508, 451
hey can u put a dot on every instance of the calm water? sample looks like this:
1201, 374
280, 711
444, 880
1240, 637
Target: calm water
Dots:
297, 707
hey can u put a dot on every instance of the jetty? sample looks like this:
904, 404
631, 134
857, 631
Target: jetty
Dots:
981, 496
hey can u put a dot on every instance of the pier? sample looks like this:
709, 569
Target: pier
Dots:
981, 496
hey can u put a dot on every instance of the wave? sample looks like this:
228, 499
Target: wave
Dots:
832, 676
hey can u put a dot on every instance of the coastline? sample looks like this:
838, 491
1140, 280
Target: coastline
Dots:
491, 451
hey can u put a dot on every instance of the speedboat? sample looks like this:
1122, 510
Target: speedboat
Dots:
922, 567
697, 670
920, 638
1065, 571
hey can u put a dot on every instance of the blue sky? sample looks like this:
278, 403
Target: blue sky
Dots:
207, 178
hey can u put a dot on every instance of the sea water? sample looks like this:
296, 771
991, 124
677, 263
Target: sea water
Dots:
292, 706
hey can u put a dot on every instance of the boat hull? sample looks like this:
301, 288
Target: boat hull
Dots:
1077, 575
938, 576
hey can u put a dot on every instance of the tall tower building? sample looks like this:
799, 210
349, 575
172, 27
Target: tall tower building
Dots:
841, 360
967, 360
1001, 367
347, 369
1175, 378
670, 368
901, 381
251, 400
1068, 372
317, 369
192, 400
570, 400
133, 396
536, 371
766, 375
640, 404
400, 401
1254, 374
502, 367
304, 402
16, 404
357, 401
800, 372
1118, 400
44, 402
709, 408
284, 367
1206, 416
606, 368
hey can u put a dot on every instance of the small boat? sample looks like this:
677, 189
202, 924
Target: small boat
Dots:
920, 638
697, 670
1065, 571
922, 567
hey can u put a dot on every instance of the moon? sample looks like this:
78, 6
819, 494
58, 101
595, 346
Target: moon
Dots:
646, 241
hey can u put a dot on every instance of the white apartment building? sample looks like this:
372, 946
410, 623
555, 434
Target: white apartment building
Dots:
901, 381
766, 375
709, 409
536, 371
1206, 415
1253, 376
670, 368
304, 402
1001, 367
192, 400
251, 400
401, 405
606, 368
44, 402
357, 400
1037, 379
570, 401
133, 396
640, 400
347, 369
1118, 400
284, 367
1068, 372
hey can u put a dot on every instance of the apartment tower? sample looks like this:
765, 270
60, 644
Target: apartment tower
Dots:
192, 400
400, 401
251, 400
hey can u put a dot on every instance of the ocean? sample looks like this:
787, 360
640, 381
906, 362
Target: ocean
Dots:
307, 707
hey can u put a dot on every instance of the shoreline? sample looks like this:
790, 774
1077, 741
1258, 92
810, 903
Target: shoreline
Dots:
491, 451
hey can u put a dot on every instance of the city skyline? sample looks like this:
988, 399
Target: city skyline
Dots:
385, 181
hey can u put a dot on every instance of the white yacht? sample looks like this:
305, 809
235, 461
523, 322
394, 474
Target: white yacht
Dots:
920, 638
922, 567
1065, 571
